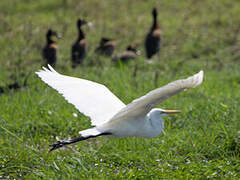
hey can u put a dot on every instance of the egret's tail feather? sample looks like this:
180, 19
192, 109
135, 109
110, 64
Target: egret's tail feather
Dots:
86, 134
89, 132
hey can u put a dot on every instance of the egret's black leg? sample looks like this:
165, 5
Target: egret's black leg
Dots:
62, 143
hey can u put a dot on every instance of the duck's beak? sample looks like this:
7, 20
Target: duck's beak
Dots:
59, 36
89, 25
171, 111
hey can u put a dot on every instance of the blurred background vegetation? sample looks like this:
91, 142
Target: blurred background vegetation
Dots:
202, 142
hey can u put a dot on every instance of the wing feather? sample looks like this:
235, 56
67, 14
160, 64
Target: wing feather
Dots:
90, 98
144, 104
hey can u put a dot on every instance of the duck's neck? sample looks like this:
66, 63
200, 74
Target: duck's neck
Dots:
49, 39
155, 25
80, 34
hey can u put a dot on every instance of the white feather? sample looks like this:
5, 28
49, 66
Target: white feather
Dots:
89, 132
90, 98
142, 106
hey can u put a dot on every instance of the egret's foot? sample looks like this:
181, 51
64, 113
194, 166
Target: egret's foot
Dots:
58, 144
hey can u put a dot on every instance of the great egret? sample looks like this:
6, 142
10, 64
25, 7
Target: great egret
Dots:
110, 116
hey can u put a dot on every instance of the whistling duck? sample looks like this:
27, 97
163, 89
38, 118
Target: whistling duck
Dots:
153, 39
49, 52
106, 46
130, 53
79, 48
16, 84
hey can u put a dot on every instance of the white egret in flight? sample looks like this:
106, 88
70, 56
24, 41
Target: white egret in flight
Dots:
109, 115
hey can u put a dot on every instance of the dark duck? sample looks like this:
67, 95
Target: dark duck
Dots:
153, 39
50, 50
106, 46
130, 53
79, 48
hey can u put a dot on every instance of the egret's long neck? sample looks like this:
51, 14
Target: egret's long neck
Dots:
157, 123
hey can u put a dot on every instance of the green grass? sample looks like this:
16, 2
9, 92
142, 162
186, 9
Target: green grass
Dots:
202, 142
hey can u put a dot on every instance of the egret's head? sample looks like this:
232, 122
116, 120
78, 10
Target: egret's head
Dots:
157, 112
155, 117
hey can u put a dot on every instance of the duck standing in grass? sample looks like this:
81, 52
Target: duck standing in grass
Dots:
130, 53
106, 46
153, 39
50, 50
79, 48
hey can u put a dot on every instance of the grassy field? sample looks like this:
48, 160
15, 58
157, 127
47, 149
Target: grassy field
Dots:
202, 142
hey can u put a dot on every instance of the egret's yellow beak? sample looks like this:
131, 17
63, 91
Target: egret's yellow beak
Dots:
171, 111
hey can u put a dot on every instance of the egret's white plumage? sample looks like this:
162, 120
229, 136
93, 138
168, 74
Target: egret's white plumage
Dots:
109, 114
90, 98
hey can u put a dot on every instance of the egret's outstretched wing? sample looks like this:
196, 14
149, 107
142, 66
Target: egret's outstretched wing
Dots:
142, 105
92, 99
